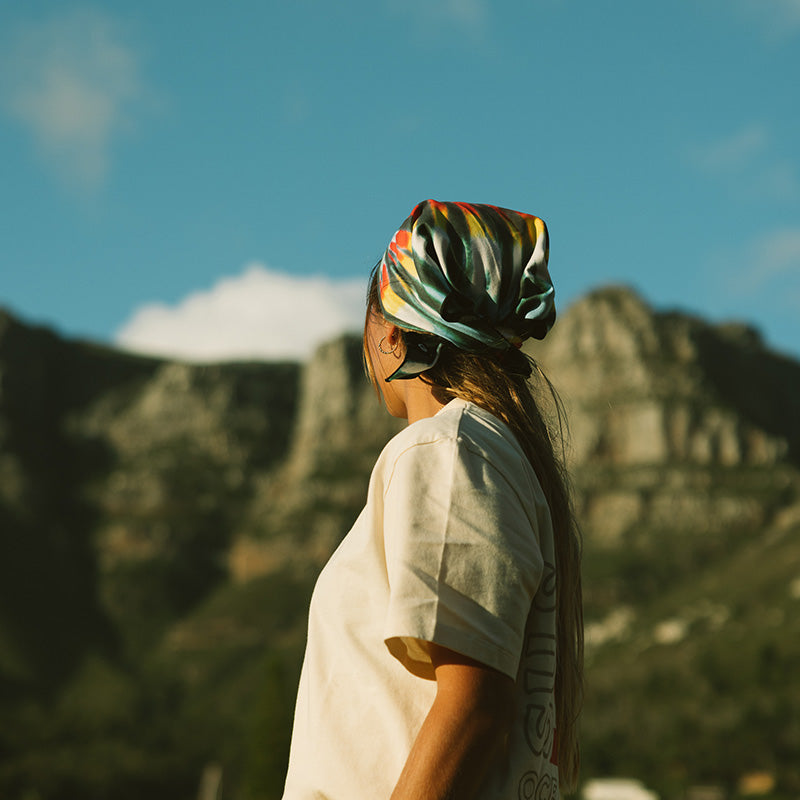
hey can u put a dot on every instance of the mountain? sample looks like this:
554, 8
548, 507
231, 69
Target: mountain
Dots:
161, 525
685, 435
685, 455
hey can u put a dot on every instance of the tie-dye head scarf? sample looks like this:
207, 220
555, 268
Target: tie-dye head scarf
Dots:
473, 275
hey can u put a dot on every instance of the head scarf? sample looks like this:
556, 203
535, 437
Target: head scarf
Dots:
473, 275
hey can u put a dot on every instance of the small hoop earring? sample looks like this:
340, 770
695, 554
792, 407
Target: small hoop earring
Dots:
386, 352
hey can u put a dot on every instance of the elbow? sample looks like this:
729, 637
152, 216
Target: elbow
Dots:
495, 707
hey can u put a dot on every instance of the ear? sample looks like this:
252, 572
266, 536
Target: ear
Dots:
392, 333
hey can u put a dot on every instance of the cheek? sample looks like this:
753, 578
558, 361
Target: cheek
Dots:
375, 360
391, 397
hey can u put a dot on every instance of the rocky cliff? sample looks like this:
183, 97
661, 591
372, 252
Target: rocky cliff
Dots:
685, 435
115, 467
169, 519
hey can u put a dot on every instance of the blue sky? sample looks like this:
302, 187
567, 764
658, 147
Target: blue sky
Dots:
216, 181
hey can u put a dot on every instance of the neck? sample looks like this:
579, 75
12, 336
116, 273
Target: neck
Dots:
419, 400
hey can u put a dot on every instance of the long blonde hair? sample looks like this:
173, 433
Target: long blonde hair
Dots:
483, 380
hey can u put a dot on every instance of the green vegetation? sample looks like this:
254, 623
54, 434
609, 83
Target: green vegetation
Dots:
219, 688
719, 698
134, 656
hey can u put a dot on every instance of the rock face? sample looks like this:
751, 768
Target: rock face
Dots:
670, 418
339, 411
335, 436
122, 481
648, 388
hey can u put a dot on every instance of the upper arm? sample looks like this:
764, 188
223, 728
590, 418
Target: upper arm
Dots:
472, 685
463, 559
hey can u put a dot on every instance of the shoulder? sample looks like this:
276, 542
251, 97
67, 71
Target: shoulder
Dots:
460, 427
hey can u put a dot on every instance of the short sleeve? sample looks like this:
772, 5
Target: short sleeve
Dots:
463, 558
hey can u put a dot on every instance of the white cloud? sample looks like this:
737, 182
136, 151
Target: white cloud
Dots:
259, 314
468, 15
468, 12
763, 271
779, 180
779, 19
734, 151
74, 84
775, 254
747, 158
296, 104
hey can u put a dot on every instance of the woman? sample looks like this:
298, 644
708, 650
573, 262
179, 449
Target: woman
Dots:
444, 654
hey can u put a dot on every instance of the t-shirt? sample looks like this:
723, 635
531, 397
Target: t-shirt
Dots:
455, 547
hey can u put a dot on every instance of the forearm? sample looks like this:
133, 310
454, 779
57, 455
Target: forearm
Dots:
456, 745
450, 757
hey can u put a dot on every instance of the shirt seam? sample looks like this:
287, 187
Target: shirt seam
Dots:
443, 437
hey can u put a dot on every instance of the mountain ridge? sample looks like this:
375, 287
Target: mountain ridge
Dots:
161, 525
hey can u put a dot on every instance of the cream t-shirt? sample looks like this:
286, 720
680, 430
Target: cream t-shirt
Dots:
454, 546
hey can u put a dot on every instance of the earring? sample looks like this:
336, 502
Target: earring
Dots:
386, 352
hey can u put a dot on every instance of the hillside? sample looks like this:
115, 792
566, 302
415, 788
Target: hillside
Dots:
685, 454
161, 526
